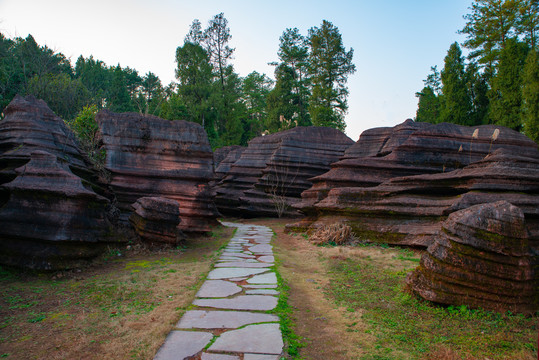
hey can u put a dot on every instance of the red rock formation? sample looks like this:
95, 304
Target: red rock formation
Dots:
274, 170
48, 219
481, 258
30, 125
156, 220
149, 156
412, 149
224, 158
408, 210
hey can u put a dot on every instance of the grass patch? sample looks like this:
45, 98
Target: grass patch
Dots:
406, 327
284, 311
128, 302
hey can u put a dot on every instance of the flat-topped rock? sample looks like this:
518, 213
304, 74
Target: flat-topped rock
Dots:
269, 278
156, 219
149, 156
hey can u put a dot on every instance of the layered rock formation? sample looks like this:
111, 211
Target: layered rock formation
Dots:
412, 149
274, 169
224, 158
30, 125
156, 220
148, 156
48, 219
408, 210
481, 258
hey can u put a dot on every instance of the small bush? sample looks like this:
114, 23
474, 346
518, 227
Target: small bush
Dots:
338, 234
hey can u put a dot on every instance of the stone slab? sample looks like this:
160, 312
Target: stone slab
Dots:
261, 248
263, 286
262, 292
218, 289
255, 339
183, 344
269, 278
260, 357
266, 258
242, 255
208, 356
226, 273
242, 302
201, 319
242, 264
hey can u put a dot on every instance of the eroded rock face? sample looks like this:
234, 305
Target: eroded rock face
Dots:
48, 219
481, 258
148, 156
275, 169
156, 220
412, 149
409, 210
30, 125
224, 158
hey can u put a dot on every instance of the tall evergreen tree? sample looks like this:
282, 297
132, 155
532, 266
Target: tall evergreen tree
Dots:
255, 90
530, 95
194, 73
329, 67
428, 107
488, 26
528, 22
195, 34
478, 88
456, 104
281, 101
118, 97
506, 92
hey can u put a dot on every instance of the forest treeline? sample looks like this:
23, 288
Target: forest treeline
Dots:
498, 82
309, 86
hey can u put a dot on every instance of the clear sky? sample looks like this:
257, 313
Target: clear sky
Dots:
395, 42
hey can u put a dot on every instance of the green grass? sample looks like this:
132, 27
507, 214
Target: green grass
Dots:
406, 327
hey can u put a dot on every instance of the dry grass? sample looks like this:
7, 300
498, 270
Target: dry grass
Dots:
334, 234
121, 308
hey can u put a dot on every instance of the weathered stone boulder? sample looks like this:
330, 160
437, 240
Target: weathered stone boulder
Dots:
481, 258
409, 210
412, 149
48, 219
148, 156
156, 220
274, 169
224, 158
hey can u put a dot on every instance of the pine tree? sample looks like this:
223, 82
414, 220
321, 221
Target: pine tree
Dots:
428, 107
477, 84
506, 92
530, 95
488, 26
329, 67
456, 104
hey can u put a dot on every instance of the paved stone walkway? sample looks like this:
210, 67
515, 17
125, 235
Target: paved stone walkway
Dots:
230, 307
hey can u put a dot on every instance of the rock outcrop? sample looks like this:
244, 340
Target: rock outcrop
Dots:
481, 258
48, 219
30, 125
148, 156
411, 149
409, 210
156, 220
224, 158
274, 169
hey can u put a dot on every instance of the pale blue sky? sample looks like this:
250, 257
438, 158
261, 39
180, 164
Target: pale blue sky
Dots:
395, 42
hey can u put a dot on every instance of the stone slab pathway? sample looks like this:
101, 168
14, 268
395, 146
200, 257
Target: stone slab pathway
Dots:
230, 320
